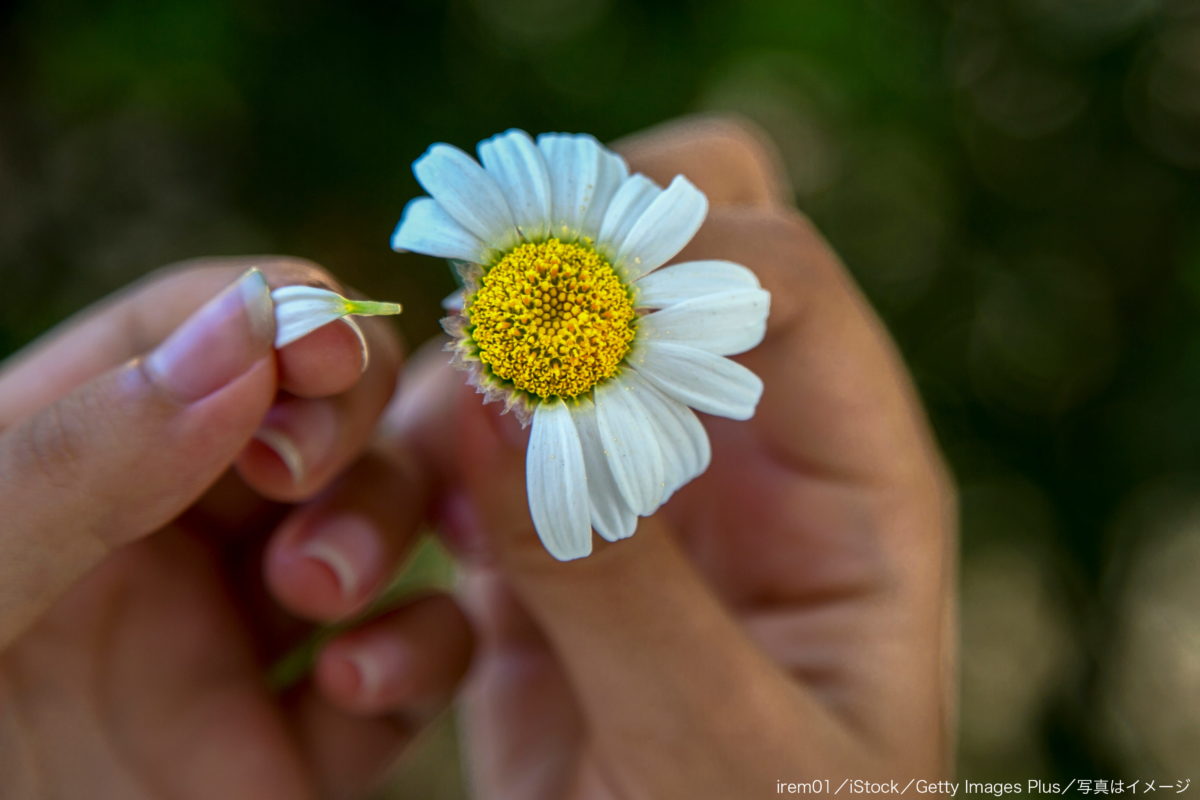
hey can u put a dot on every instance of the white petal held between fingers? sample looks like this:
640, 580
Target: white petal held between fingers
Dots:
300, 310
553, 321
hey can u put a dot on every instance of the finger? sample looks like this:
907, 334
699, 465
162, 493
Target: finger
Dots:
375, 688
515, 671
408, 660
331, 359
304, 442
516, 675
836, 392
127, 451
423, 416
333, 556
128, 325
326, 362
728, 158
836, 396
646, 644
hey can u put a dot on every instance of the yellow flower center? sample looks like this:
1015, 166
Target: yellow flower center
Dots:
552, 318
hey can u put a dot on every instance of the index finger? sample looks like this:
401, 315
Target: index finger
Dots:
128, 324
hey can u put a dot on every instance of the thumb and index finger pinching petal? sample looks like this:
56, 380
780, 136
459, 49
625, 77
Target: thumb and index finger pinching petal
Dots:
97, 458
125, 452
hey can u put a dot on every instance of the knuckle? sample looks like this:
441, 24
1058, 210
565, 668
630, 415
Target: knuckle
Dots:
794, 229
739, 134
780, 244
803, 252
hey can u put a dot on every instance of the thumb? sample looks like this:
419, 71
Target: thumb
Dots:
128, 451
651, 651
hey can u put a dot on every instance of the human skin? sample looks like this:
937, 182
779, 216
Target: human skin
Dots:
135, 628
787, 616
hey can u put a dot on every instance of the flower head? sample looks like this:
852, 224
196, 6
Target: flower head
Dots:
569, 317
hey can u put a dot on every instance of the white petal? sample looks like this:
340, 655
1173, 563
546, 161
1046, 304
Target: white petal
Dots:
631, 444
556, 483
632, 197
583, 176
300, 310
467, 193
724, 323
683, 440
679, 282
611, 515
663, 228
425, 227
611, 173
454, 301
518, 167
707, 382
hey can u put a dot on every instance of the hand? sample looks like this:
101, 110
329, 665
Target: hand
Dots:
785, 617
135, 629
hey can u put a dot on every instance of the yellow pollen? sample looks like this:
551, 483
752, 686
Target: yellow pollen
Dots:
552, 318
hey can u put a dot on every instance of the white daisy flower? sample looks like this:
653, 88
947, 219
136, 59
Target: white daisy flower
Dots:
569, 317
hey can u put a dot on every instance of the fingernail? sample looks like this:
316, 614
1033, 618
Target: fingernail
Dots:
350, 548
282, 446
218, 343
303, 433
383, 667
369, 672
460, 530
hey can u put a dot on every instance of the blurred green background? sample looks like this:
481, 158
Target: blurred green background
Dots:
1013, 182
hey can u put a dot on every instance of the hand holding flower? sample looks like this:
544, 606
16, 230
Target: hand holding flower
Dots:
786, 615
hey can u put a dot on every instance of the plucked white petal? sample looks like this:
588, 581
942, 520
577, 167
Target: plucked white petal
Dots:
583, 176
633, 196
663, 228
467, 193
520, 170
300, 310
556, 482
612, 517
724, 323
426, 228
679, 282
685, 445
631, 444
707, 382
